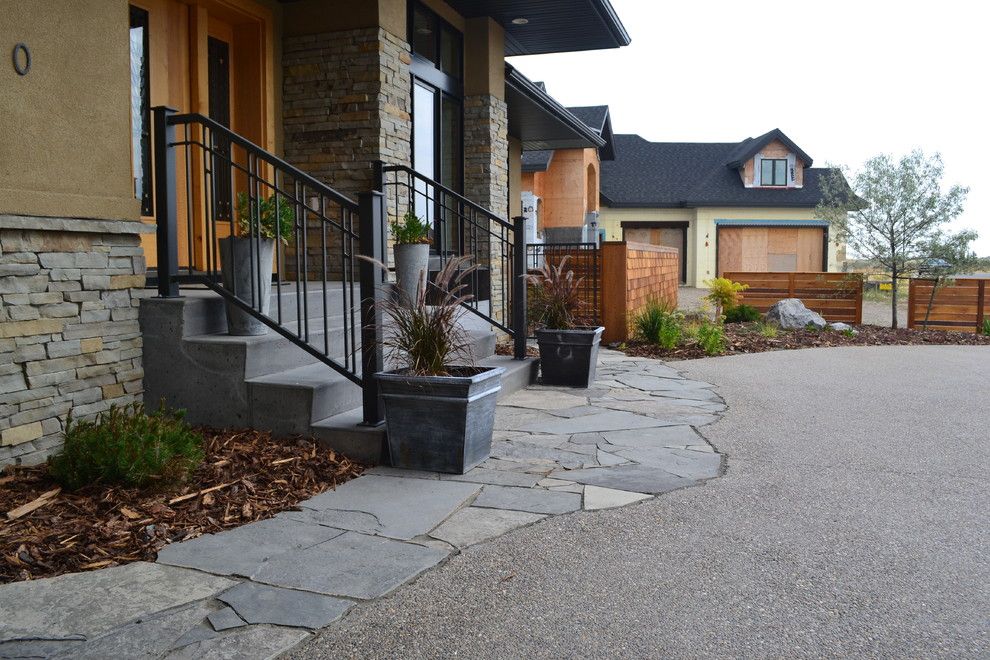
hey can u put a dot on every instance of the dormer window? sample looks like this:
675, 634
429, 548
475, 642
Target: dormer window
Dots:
773, 172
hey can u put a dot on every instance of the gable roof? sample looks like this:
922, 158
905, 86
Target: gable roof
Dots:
751, 146
597, 118
690, 174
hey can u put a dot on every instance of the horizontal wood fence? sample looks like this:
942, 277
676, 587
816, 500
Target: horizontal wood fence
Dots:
633, 274
962, 304
836, 296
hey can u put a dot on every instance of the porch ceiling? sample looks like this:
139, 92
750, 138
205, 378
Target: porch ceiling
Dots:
554, 26
539, 121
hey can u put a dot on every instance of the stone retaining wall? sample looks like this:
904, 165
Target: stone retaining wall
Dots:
69, 337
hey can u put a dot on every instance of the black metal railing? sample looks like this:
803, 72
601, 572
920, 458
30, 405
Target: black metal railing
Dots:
462, 228
582, 258
322, 295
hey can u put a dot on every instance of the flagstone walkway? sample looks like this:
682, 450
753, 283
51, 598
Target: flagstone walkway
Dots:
258, 590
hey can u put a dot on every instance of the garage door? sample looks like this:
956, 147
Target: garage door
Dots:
770, 249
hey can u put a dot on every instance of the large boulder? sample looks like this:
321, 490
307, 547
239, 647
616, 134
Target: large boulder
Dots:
791, 314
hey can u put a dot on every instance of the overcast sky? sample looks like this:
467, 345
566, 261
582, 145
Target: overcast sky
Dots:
844, 79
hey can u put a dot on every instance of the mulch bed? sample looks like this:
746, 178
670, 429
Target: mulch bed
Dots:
743, 338
246, 476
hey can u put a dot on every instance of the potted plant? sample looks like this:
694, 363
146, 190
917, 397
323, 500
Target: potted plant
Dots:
439, 407
246, 259
412, 254
568, 352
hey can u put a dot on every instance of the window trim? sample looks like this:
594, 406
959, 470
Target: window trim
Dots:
773, 172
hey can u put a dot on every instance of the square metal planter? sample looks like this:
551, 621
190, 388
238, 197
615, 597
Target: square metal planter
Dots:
569, 357
440, 423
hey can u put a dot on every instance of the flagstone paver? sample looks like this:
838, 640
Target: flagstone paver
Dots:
596, 497
352, 565
259, 603
555, 450
242, 550
533, 500
474, 525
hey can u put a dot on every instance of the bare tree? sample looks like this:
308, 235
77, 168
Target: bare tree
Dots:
892, 212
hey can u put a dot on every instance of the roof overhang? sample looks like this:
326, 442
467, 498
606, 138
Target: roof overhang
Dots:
539, 121
552, 26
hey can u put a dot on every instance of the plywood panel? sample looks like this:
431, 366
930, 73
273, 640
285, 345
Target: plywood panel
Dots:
809, 248
783, 240
729, 250
754, 248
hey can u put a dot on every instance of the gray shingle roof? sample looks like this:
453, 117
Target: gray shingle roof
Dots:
536, 161
676, 174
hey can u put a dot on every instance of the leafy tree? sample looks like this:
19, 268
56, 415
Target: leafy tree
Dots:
892, 212
946, 257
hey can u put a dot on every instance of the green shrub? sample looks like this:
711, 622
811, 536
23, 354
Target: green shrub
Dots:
271, 218
410, 230
986, 327
711, 338
742, 314
724, 293
127, 447
659, 323
768, 330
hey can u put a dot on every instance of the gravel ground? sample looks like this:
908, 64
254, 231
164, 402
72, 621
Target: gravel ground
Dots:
852, 521
874, 312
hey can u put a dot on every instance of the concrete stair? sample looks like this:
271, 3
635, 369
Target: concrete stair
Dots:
269, 383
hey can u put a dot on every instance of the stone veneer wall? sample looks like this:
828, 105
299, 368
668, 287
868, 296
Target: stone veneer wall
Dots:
69, 336
486, 174
347, 103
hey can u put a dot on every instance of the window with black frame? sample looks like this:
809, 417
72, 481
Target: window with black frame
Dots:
773, 172
437, 91
140, 102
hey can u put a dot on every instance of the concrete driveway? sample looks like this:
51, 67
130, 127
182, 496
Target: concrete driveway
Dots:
852, 521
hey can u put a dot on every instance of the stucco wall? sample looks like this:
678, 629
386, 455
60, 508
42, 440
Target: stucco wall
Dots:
65, 146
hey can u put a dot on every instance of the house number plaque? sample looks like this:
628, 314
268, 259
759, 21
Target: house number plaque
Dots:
21, 58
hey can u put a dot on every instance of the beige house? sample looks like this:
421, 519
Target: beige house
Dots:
747, 206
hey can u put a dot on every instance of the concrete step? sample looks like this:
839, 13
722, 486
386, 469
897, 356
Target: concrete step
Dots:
250, 357
289, 402
344, 433
204, 310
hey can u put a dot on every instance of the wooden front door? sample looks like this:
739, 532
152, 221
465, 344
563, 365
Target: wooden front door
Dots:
770, 249
213, 57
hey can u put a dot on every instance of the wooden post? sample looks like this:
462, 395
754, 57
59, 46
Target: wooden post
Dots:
790, 285
613, 289
911, 301
980, 302
859, 302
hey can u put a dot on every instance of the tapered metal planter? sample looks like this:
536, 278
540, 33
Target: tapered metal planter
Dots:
569, 357
412, 261
246, 269
440, 423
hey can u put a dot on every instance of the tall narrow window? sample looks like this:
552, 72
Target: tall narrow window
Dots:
773, 172
140, 103
437, 70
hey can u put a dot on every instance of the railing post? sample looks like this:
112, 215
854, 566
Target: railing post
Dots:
165, 205
520, 327
371, 238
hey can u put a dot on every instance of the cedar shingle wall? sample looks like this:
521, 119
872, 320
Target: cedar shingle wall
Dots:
633, 274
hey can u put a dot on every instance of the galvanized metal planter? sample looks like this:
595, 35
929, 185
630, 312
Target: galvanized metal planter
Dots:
246, 269
412, 261
569, 357
440, 423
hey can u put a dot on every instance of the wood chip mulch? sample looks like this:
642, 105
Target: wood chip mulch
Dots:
246, 476
744, 338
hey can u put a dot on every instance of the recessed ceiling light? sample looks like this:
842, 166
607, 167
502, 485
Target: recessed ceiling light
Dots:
520, 21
